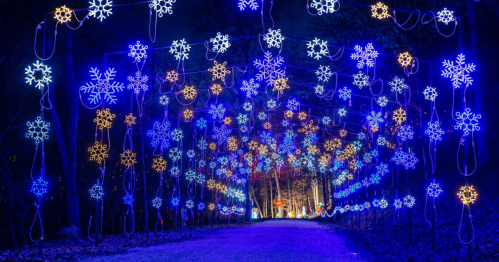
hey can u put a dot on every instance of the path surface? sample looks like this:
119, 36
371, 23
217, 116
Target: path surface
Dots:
274, 240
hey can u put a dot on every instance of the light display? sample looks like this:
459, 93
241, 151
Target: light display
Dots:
96, 191
189, 92
39, 74
376, 203
221, 134
360, 80
180, 49
292, 104
434, 131
160, 134
326, 120
175, 201
175, 171
219, 71
381, 141
227, 120
405, 132
382, 169
98, 152
345, 93
459, 73
159, 164
433, 190
100, 10
379, 11
323, 73
445, 16
317, 48
190, 175
177, 134
172, 76
467, 121
398, 85
102, 87
280, 84
269, 68
138, 82
273, 38
365, 56
467, 194
201, 206
189, 204
104, 118
157, 202
367, 205
38, 130
138, 51
164, 100
247, 3
325, 6
271, 104
408, 160
128, 199
266, 125
409, 201
128, 158
308, 128
162, 6
375, 178
405, 59
39, 187
319, 90
220, 43
343, 133
216, 89
430, 93
62, 14
399, 116
250, 87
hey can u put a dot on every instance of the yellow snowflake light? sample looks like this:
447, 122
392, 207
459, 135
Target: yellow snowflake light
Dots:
159, 164
324, 159
347, 207
227, 120
273, 146
298, 152
98, 152
219, 71
211, 183
63, 14
309, 128
399, 116
232, 143
253, 145
313, 149
291, 158
405, 59
266, 125
130, 119
224, 189
352, 165
172, 76
332, 144
348, 152
467, 194
188, 115
104, 118
216, 89
374, 128
128, 158
302, 116
213, 146
280, 84
350, 176
228, 174
262, 149
379, 11
189, 92
343, 133
211, 206
289, 114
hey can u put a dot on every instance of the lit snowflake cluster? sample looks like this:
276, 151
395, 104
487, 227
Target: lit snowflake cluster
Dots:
39, 187
138, 51
467, 194
63, 14
269, 68
409, 201
157, 202
219, 71
273, 38
128, 199
39, 74
433, 190
98, 152
217, 112
467, 121
317, 48
221, 134
374, 119
405, 132
379, 11
323, 73
408, 160
96, 191
220, 43
160, 134
360, 80
459, 73
102, 86
138, 82
250, 87
38, 130
365, 56
382, 101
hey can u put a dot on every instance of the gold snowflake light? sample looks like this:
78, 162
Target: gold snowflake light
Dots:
302, 116
313, 149
399, 116
228, 174
98, 152
159, 164
63, 14
232, 143
188, 115
343, 133
332, 144
104, 118
219, 71
211, 183
280, 84
379, 11
130, 119
405, 59
252, 145
227, 120
467, 194
213, 146
309, 128
172, 76
128, 158
262, 149
189, 92
350, 176
216, 89
266, 125
289, 114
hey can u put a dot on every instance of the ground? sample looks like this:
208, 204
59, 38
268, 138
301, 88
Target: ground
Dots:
272, 240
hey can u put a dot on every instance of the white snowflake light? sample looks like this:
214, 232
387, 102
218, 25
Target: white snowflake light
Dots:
180, 49
250, 87
325, 6
365, 56
323, 73
382, 101
164, 100
409, 201
247, 106
397, 203
40, 74
319, 90
445, 16
138, 82
342, 112
157, 202
38, 130
317, 48
293, 104
103, 10
273, 38
381, 141
247, 3
271, 104
220, 43
102, 86
405, 132
398, 85
345, 93
430, 93
269, 68
177, 134
467, 121
96, 191
217, 111
360, 80
459, 73
434, 131
138, 51
433, 190
175, 154
162, 6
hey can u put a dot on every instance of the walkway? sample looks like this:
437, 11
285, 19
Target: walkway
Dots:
274, 240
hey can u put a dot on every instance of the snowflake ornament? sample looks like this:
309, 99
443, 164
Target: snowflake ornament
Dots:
293, 104
374, 119
128, 158
280, 84
382, 101
459, 73
397, 203
365, 56
247, 3
381, 141
360, 80
189, 92
273, 38
325, 6
221, 134
98, 152
217, 112
467, 121
39, 187
172, 76
160, 134
138, 51
409, 201
189, 204
323, 73
104, 118
38, 130
219, 71
379, 11
405, 59
220, 43
62, 15
430, 93
175, 201
383, 204
345, 93
250, 87
96, 191
399, 115
342, 112
39, 74
467, 194
105, 87
138, 82
405, 132
319, 90
164, 100
162, 6
159, 164
271, 104
434, 190
128, 199
103, 10
434, 131
177, 134
269, 68
180, 49
175, 154
317, 48
157, 202
445, 16
398, 85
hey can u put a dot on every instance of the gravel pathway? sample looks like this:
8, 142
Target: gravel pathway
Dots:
273, 240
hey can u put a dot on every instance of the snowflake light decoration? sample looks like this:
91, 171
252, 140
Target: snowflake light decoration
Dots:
128, 158
467, 121
250, 87
103, 10
325, 6
180, 49
365, 56
271, 104
376, 203
175, 171
293, 104
360, 80
188, 115
247, 3
189, 92
398, 85
221, 134
98, 152
374, 119
379, 11
138, 82
38, 130
382, 169
190, 175
430, 93
162, 6
201, 123
242, 119
102, 86
345, 93
138, 51
219, 71
247, 106
397, 203
405, 132
382, 101
160, 134
326, 120
216, 89
220, 43
269, 68
189, 204
63, 14
319, 90
459, 73
96, 191
157, 202
159, 164
217, 112
408, 160
383, 203
280, 84
172, 76
381, 141
202, 144
175, 154
130, 119
175, 201
39, 187
434, 131
467, 194
445, 16
342, 112
273, 38
128, 199
164, 100
409, 201
434, 190
323, 73
104, 118
177, 134
201, 206
317, 48
39, 74
405, 59
399, 115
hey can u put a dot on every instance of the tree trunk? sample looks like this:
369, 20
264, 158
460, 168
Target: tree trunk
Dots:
146, 214
271, 204
254, 197
279, 208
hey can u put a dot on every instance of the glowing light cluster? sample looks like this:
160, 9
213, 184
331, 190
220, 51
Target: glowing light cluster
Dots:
62, 14
96, 191
379, 11
180, 49
162, 6
220, 43
128, 158
325, 6
269, 68
219, 71
98, 152
434, 190
273, 38
319, 51
247, 3
445, 16
104, 118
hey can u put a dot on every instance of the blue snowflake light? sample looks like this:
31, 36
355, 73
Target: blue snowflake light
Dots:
96, 191
345, 93
383, 204
128, 199
221, 134
467, 121
175, 201
201, 123
360, 80
382, 169
373, 119
247, 3
409, 201
375, 178
201, 206
138, 82
175, 154
39, 187
38, 130
376, 203
242, 119
459, 73
160, 134
433, 190
250, 87
269, 68
104, 88
397, 203
157, 202
217, 111
271, 104
202, 144
434, 131
326, 120
293, 104
405, 132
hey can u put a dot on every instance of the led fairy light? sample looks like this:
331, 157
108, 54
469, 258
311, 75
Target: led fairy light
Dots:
138, 83
188, 115
172, 76
459, 73
360, 80
162, 6
397, 85
397, 203
250, 87
323, 73
160, 134
219, 71
159, 164
379, 11
405, 59
128, 199
104, 118
467, 195
252, 4
273, 38
189, 92
405, 132
342, 112
383, 203
216, 89
434, 131
39, 75
345, 93
100, 10
399, 116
